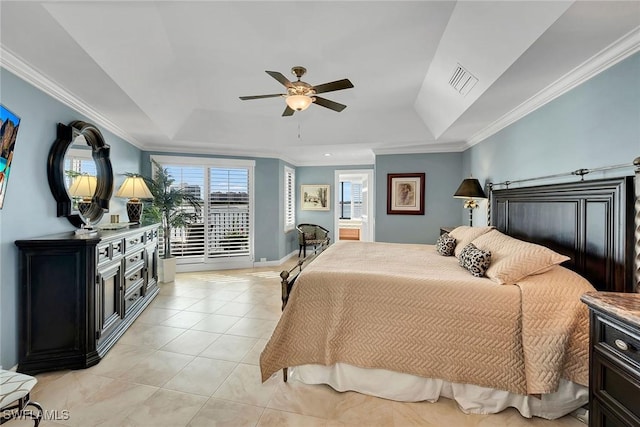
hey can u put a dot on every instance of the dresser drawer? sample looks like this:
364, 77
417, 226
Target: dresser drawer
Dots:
615, 386
133, 260
133, 279
151, 236
103, 253
109, 251
132, 241
130, 299
602, 416
618, 339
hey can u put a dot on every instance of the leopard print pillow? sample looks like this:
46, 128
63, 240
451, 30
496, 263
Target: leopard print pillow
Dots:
475, 260
463, 254
445, 245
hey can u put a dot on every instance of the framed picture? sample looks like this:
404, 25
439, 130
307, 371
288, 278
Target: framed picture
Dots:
405, 193
9, 124
315, 197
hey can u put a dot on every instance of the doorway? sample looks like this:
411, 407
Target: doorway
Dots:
354, 201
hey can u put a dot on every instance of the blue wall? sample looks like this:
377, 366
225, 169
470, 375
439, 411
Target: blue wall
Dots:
594, 125
443, 176
306, 175
29, 208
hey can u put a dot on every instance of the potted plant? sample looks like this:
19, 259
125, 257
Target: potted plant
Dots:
173, 207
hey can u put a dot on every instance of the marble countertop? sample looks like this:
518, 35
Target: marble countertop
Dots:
621, 305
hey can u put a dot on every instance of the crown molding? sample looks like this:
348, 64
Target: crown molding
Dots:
450, 147
617, 51
186, 150
17, 66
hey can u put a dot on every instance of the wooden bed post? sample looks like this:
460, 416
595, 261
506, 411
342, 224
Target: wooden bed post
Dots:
490, 185
636, 230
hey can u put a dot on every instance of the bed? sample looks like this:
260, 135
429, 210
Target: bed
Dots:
402, 322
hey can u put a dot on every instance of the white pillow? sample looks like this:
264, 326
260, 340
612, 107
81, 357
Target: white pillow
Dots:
513, 259
465, 235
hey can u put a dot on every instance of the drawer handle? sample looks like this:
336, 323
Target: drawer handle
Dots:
133, 259
133, 242
621, 345
133, 278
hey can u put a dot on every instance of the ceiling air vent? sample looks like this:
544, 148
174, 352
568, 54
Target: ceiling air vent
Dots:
462, 80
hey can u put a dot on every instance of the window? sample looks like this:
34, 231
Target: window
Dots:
289, 199
78, 161
350, 200
224, 225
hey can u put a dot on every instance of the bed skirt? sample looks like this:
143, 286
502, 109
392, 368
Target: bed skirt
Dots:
471, 399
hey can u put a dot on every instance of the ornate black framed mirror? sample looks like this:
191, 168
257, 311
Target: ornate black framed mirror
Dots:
65, 180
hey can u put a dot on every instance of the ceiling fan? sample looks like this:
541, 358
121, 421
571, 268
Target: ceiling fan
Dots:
301, 94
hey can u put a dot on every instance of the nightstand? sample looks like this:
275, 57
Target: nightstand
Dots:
614, 372
446, 230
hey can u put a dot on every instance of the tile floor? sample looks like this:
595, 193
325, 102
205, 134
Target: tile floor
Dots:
191, 359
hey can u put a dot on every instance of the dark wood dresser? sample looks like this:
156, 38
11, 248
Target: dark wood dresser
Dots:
614, 374
79, 293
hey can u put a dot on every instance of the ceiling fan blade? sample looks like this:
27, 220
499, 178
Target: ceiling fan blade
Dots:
332, 105
288, 111
275, 95
280, 77
330, 87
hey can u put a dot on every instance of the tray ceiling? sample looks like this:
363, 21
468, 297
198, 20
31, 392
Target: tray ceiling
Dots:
166, 75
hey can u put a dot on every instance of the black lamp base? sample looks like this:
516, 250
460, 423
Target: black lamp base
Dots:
134, 211
83, 207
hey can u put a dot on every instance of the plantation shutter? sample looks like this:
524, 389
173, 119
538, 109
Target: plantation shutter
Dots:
229, 212
356, 200
289, 199
188, 242
222, 233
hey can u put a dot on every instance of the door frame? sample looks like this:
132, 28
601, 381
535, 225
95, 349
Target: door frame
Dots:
369, 173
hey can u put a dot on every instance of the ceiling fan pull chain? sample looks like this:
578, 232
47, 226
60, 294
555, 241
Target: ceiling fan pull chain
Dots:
299, 138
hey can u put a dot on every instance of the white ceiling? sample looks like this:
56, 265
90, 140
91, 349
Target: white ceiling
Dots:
166, 75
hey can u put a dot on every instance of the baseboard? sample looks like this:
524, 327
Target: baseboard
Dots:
229, 264
276, 262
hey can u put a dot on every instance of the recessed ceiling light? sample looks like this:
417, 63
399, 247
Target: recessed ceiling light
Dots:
327, 154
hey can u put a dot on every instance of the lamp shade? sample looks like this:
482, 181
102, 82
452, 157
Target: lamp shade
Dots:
134, 187
470, 189
299, 102
83, 186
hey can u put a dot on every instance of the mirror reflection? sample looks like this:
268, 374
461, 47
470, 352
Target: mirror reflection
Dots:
82, 190
80, 174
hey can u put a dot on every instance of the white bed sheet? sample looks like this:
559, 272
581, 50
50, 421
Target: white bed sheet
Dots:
471, 399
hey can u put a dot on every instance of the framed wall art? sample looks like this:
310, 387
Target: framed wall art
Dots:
315, 197
405, 193
9, 124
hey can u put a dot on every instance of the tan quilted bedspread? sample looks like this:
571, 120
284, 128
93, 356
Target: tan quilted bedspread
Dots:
405, 308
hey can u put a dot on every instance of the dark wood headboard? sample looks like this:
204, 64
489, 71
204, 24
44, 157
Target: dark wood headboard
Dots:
590, 221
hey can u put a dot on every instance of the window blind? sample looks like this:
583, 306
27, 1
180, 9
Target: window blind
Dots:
228, 218
356, 200
188, 242
223, 225
289, 199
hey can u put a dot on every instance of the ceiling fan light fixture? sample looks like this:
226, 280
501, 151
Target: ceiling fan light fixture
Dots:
299, 102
